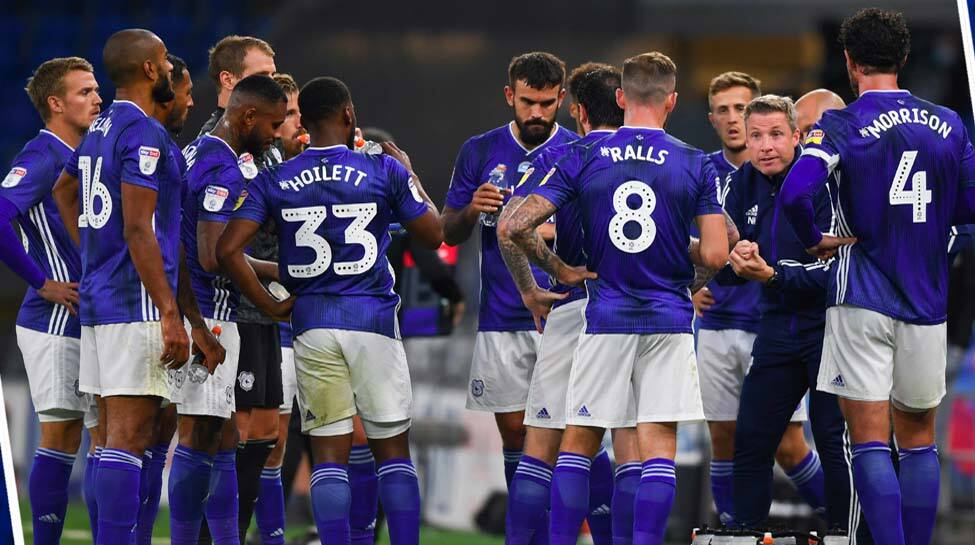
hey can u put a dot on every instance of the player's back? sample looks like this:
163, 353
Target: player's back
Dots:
332, 208
641, 189
899, 160
123, 145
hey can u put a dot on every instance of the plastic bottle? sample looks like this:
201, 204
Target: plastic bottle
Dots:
198, 372
368, 147
497, 179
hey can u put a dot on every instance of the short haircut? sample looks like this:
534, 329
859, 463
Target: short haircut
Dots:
260, 87
597, 93
876, 40
770, 104
377, 135
179, 65
540, 70
730, 80
286, 81
322, 98
649, 78
228, 54
48, 80
579, 73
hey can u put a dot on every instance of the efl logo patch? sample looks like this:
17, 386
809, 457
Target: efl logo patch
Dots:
214, 198
247, 166
815, 137
148, 159
13, 177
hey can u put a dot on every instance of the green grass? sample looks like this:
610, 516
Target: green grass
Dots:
76, 531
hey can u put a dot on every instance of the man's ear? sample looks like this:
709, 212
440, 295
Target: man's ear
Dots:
227, 80
509, 95
620, 99
149, 69
55, 105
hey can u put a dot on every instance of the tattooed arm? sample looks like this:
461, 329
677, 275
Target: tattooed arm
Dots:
520, 229
702, 274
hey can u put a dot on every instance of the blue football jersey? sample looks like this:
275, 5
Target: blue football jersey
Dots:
28, 186
501, 308
568, 230
214, 185
124, 145
641, 188
735, 307
900, 163
332, 208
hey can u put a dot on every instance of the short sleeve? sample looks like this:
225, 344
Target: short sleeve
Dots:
142, 149
404, 197
253, 200
219, 192
707, 196
559, 185
71, 167
966, 171
29, 180
732, 198
464, 180
538, 169
821, 142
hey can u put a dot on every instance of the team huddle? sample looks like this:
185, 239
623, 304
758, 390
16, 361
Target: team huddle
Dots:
199, 292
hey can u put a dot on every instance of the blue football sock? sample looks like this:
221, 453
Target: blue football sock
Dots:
88, 490
330, 501
151, 489
269, 509
189, 484
811, 482
511, 459
48, 490
364, 483
721, 487
654, 500
920, 474
117, 489
600, 499
399, 492
880, 493
624, 498
528, 500
570, 498
222, 505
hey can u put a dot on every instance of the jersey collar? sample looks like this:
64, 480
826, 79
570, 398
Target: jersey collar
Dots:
222, 141
133, 104
511, 132
56, 137
323, 148
886, 91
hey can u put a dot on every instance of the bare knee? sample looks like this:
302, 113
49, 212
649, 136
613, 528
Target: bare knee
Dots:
512, 429
914, 428
63, 436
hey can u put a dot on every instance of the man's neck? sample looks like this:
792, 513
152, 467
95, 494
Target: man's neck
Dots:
736, 158
70, 135
142, 99
225, 132
646, 117
600, 128
517, 132
327, 138
878, 82
223, 98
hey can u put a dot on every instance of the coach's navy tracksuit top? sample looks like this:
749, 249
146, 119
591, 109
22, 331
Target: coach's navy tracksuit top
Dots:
794, 310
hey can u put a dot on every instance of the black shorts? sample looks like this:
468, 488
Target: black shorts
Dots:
258, 383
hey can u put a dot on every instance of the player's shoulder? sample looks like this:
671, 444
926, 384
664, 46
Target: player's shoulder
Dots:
45, 151
562, 135
684, 148
486, 140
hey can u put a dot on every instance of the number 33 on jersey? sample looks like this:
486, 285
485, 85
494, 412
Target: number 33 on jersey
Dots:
332, 208
641, 189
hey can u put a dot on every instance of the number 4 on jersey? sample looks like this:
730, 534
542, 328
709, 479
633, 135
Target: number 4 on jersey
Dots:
919, 195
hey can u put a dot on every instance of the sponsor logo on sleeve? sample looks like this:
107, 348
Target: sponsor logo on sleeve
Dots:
527, 175
148, 159
13, 177
815, 137
247, 166
240, 199
547, 176
214, 197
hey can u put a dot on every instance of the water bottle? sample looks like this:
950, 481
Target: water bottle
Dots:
368, 147
496, 178
198, 372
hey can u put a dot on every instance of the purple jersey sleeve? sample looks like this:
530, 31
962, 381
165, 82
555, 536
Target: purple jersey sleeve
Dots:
463, 181
71, 167
29, 180
216, 201
142, 152
965, 210
810, 173
708, 182
255, 206
404, 197
559, 184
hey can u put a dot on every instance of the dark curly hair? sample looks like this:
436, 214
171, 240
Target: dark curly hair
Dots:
876, 40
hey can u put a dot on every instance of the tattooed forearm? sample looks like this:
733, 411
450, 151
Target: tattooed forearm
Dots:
520, 229
702, 275
513, 257
733, 235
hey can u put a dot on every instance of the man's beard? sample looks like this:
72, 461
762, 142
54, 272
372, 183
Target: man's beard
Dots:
529, 133
252, 144
737, 149
176, 121
163, 91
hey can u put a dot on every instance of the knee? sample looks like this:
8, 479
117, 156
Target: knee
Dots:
793, 448
512, 429
722, 439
